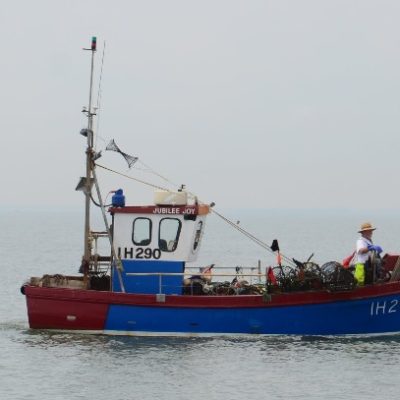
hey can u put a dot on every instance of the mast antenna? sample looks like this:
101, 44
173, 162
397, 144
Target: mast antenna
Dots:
98, 105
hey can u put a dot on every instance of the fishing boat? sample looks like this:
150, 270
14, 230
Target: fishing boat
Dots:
144, 285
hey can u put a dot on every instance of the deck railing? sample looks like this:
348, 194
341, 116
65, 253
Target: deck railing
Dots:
240, 276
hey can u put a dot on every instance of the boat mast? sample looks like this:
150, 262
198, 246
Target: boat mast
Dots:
89, 167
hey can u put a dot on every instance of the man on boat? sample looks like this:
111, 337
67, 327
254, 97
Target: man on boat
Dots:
364, 249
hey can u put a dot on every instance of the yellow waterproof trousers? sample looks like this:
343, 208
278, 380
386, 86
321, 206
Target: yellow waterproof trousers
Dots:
359, 274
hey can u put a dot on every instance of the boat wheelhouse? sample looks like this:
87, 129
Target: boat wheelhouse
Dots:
155, 242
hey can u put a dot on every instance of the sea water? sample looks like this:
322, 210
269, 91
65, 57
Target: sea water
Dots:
57, 366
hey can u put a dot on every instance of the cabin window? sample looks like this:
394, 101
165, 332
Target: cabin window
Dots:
197, 235
170, 229
141, 233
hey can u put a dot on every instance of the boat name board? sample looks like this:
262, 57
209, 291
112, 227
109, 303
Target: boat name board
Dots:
174, 210
201, 209
384, 307
138, 253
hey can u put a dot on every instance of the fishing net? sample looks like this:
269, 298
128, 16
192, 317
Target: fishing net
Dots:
305, 276
196, 285
112, 146
335, 277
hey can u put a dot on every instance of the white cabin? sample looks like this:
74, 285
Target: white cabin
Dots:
159, 238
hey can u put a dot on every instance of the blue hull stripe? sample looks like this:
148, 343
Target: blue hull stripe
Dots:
374, 315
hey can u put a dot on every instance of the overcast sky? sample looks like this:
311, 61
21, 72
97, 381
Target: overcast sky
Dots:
280, 103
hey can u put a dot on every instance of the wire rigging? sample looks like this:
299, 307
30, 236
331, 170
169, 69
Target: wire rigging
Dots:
251, 236
149, 169
225, 219
131, 177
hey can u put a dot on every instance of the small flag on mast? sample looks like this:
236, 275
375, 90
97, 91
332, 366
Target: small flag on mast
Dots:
275, 245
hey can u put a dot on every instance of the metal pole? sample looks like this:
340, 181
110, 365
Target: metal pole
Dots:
89, 167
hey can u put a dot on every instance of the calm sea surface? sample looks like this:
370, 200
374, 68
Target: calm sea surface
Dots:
43, 365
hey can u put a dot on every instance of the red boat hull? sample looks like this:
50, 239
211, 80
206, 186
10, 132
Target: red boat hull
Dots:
378, 307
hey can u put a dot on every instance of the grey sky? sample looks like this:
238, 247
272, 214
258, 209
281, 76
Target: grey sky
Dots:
249, 103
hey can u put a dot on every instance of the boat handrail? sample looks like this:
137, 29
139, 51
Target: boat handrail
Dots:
186, 274
242, 267
163, 275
